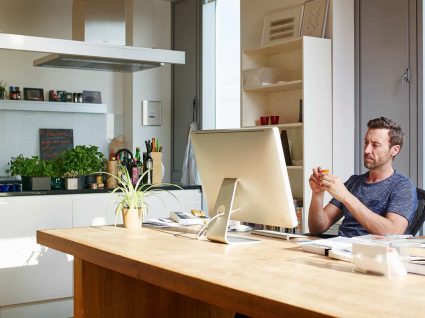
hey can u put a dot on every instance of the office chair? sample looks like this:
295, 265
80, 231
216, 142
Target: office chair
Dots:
419, 217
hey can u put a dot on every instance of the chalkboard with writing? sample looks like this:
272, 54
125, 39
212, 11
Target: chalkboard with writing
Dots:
55, 141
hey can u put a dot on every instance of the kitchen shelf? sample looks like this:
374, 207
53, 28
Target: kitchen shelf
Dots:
284, 86
26, 105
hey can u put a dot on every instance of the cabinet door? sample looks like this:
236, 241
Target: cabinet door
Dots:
30, 272
93, 209
387, 49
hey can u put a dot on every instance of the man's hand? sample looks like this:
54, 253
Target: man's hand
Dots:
314, 181
334, 186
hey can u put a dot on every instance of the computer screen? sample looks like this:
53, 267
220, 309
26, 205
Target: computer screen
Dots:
244, 177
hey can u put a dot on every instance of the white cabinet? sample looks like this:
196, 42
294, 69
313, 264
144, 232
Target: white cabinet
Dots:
35, 281
30, 272
305, 67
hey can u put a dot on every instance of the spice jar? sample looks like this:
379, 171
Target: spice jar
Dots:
12, 93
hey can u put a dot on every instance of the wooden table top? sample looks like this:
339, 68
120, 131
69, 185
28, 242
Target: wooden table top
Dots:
272, 276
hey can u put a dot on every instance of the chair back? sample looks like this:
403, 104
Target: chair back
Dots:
419, 217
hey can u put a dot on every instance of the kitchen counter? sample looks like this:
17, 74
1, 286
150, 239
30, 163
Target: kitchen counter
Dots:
84, 191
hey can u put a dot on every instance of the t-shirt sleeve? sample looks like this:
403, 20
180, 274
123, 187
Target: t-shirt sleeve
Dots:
403, 200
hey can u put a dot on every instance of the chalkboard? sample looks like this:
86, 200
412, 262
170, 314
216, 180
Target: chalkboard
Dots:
55, 141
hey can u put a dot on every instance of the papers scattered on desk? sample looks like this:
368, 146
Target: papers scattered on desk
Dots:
370, 248
415, 265
185, 218
162, 222
338, 245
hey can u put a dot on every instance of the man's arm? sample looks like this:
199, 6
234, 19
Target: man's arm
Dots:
391, 223
320, 218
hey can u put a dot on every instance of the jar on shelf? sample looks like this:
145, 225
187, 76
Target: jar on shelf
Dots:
12, 93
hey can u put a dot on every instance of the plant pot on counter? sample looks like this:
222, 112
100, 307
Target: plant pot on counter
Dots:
57, 184
75, 183
36, 183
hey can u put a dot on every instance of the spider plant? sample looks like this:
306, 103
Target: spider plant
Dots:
132, 196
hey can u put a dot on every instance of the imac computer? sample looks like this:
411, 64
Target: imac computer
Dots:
244, 177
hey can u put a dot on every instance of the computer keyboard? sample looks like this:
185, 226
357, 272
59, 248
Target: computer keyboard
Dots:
276, 234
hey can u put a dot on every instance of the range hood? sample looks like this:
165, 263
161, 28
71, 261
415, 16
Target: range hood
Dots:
98, 42
83, 62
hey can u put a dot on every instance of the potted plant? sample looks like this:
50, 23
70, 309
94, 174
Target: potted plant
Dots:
131, 198
71, 181
35, 172
83, 161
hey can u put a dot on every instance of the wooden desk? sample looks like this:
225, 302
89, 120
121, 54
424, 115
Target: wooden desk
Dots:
122, 273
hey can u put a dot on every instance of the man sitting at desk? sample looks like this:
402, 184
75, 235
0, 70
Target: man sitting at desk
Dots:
381, 201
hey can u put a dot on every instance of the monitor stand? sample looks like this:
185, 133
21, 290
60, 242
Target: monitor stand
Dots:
217, 228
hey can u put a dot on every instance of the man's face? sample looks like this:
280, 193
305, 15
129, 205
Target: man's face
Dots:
377, 150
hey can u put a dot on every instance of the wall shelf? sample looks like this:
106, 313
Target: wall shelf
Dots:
293, 44
26, 105
280, 126
284, 86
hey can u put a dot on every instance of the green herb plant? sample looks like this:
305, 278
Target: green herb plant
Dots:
30, 167
83, 160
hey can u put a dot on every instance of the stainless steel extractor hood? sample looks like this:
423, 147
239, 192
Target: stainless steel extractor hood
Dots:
83, 62
98, 42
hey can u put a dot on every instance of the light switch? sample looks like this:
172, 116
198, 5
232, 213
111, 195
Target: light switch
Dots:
151, 113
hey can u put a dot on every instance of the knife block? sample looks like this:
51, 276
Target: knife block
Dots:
157, 172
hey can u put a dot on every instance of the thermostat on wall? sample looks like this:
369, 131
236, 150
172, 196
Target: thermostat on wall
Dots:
151, 113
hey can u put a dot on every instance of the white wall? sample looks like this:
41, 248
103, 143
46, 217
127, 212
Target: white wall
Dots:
342, 20
19, 129
154, 18
227, 64
123, 93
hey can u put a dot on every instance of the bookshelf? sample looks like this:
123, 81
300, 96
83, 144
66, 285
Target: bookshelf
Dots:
305, 63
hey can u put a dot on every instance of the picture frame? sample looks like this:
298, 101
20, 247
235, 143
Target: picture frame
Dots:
281, 26
93, 97
314, 18
35, 94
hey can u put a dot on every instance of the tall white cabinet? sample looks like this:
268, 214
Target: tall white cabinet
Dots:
304, 73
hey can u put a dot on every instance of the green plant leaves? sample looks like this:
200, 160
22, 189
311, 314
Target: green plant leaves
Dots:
82, 160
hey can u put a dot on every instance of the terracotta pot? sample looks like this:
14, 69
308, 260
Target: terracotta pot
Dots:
132, 218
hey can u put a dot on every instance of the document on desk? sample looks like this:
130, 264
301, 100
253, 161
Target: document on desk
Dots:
337, 247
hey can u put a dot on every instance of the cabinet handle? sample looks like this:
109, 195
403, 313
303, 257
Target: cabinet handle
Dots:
405, 77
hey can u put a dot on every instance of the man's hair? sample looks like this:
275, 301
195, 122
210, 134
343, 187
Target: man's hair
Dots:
395, 133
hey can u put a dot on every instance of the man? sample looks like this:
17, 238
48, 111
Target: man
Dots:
381, 201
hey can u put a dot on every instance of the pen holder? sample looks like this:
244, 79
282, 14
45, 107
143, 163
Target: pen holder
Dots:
157, 167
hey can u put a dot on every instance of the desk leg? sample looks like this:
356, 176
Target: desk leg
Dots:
99, 292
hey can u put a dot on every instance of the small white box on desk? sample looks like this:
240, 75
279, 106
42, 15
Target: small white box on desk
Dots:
377, 258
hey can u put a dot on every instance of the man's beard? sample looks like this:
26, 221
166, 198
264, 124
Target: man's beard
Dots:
373, 165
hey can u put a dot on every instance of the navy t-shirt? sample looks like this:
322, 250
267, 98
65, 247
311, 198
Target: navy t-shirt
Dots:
396, 194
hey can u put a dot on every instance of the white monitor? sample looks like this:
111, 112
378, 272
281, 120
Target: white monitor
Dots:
243, 171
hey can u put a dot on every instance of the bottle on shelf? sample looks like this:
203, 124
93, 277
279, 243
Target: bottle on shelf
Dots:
139, 163
147, 167
134, 171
